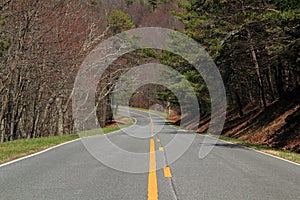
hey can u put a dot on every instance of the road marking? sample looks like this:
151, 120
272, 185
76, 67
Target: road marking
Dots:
147, 117
37, 153
161, 149
152, 179
152, 124
257, 151
167, 172
158, 140
139, 114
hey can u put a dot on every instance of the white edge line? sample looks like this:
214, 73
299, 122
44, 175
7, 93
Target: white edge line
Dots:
37, 153
56, 146
134, 123
261, 152
113, 132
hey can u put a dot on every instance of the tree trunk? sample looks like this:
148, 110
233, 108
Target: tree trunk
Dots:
239, 103
270, 82
279, 79
2, 130
60, 116
2, 117
258, 73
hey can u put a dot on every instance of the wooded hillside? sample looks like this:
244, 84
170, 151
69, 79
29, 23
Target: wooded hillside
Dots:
255, 45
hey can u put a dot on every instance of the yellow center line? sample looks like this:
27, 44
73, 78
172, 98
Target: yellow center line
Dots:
152, 124
150, 119
167, 172
152, 179
139, 114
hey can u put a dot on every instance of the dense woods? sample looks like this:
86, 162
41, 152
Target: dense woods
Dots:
255, 45
39, 40
42, 45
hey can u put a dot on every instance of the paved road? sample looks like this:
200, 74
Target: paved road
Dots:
228, 172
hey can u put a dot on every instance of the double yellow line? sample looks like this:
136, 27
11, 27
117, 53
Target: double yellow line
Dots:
152, 177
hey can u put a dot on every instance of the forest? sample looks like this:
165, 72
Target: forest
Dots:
255, 45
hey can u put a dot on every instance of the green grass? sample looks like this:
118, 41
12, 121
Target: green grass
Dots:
295, 157
105, 130
19, 148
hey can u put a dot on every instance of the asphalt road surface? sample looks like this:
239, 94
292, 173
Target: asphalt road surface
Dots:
73, 171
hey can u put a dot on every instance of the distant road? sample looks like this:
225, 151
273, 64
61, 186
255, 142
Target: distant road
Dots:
228, 172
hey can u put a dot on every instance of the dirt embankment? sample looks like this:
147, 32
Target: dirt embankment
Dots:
277, 126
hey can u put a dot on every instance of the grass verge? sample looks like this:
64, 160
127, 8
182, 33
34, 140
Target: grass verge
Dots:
295, 157
19, 148
106, 130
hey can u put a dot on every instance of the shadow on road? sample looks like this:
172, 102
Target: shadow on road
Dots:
225, 145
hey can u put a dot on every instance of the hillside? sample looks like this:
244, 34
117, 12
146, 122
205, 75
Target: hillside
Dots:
277, 126
254, 44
